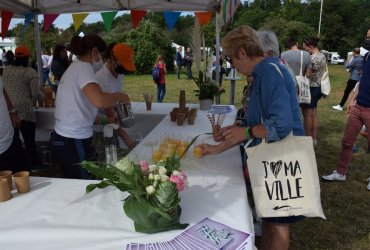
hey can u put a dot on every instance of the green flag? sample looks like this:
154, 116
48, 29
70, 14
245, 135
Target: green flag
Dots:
108, 18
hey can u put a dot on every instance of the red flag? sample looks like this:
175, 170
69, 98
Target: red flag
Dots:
204, 17
48, 21
136, 16
6, 16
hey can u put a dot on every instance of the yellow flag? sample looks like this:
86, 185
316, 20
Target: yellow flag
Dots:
78, 18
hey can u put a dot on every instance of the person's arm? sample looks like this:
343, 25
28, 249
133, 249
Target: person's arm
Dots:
34, 84
16, 121
164, 68
103, 100
352, 101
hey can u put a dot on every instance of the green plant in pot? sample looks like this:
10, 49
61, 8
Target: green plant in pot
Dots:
207, 90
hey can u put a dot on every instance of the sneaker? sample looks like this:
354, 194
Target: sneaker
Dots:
338, 107
335, 176
368, 185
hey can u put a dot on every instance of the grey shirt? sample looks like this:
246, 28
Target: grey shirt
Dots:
355, 66
293, 58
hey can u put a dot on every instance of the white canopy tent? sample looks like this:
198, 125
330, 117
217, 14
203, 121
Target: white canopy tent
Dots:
21, 7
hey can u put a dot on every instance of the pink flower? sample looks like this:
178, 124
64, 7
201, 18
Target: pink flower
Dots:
144, 165
179, 181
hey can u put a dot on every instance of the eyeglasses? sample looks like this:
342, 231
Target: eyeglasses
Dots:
306, 42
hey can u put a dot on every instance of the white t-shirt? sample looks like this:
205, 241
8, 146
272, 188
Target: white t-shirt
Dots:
108, 84
6, 128
74, 113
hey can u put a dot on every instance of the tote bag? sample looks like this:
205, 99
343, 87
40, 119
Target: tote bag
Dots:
304, 94
284, 178
325, 82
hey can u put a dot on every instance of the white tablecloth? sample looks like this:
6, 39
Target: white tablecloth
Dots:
57, 214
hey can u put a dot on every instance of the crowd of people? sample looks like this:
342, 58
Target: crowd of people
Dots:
88, 88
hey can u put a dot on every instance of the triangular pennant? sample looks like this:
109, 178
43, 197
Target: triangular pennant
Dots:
108, 18
27, 19
48, 21
171, 18
78, 18
6, 16
204, 17
136, 16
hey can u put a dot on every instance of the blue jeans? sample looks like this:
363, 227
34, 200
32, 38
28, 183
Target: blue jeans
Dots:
188, 67
70, 152
45, 76
161, 91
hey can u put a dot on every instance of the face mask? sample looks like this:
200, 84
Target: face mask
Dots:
367, 44
119, 69
97, 65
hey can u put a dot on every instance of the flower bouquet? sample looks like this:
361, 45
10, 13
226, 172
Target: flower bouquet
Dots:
153, 203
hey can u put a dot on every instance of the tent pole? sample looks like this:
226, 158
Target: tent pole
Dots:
217, 56
38, 49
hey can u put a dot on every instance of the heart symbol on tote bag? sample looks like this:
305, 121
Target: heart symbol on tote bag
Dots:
276, 167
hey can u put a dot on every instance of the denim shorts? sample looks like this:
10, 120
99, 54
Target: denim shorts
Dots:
315, 97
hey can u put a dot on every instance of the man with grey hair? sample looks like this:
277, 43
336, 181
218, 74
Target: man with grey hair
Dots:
354, 65
270, 48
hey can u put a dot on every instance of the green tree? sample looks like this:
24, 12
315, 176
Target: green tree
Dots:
148, 41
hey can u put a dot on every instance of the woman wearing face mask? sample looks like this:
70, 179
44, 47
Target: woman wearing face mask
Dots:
119, 60
79, 95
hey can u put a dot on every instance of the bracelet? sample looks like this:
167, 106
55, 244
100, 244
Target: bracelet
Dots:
103, 120
247, 132
251, 135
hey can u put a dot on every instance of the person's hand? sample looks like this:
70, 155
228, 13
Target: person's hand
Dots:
233, 134
350, 105
123, 98
112, 119
208, 149
16, 121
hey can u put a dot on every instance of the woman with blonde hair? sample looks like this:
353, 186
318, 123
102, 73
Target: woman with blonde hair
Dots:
161, 83
273, 113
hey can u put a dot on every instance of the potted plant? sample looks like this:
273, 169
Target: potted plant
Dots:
207, 90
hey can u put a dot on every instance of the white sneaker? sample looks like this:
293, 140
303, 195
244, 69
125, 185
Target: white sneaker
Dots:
338, 107
335, 176
368, 185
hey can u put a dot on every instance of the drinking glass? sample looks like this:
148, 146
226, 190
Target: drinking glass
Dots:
111, 154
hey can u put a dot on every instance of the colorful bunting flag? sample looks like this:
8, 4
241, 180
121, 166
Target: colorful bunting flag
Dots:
27, 19
78, 18
108, 18
6, 16
228, 8
137, 16
204, 17
48, 21
171, 18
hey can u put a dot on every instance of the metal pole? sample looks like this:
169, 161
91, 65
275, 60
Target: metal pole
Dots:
322, 2
38, 49
217, 55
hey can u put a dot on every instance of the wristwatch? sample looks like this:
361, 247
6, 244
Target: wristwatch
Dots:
13, 111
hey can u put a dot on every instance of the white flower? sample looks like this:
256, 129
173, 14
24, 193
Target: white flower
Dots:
150, 177
150, 189
155, 183
125, 165
157, 177
152, 168
175, 172
164, 178
162, 170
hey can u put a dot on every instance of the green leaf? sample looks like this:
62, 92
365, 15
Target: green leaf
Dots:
102, 184
192, 142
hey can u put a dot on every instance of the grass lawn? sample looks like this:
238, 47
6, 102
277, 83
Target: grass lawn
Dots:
346, 205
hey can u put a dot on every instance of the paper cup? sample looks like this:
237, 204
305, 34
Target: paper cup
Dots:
22, 181
7, 174
4, 190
